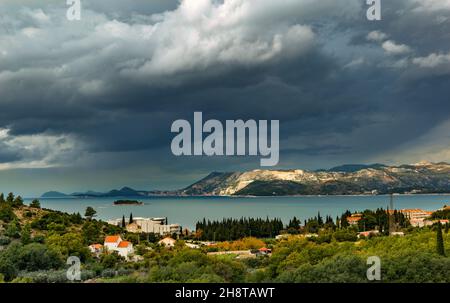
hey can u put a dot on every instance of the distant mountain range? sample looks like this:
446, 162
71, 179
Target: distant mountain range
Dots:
123, 192
350, 179
422, 177
53, 194
351, 168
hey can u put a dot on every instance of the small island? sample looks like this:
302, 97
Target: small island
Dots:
128, 202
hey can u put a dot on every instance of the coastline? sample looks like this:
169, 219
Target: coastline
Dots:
241, 196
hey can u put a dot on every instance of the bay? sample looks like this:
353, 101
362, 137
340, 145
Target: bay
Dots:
188, 210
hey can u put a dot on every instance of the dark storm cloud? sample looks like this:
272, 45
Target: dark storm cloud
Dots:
342, 87
8, 155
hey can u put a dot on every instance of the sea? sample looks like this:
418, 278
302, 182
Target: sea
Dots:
186, 211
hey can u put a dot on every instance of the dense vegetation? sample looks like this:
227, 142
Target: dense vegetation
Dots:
35, 243
233, 229
412, 258
441, 214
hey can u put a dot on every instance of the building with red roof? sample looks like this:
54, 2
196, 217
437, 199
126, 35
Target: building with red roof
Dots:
115, 243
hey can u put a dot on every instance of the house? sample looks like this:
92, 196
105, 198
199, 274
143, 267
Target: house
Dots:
192, 245
111, 242
115, 243
416, 213
264, 251
208, 243
417, 217
420, 222
281, 237
96, 248
133, 228
167, 242
149, 225
125, 249
354, 219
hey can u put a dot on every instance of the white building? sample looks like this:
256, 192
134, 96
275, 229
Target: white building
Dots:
282, 237
150, 225
167, 242
115, 243
192, 245
96, 249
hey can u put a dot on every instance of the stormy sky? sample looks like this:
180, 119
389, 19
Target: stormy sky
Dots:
88, 104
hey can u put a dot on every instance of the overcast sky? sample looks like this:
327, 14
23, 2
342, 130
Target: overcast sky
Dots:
88, 104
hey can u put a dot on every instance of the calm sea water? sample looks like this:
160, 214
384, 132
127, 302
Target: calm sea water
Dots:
188, 210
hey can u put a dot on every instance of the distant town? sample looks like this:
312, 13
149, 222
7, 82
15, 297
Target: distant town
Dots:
170, 232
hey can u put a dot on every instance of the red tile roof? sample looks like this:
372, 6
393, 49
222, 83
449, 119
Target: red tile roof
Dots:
124, 244
353, 219
112, 239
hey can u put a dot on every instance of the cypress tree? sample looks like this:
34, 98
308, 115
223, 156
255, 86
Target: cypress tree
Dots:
18, 201
446, 228
319, 219
36, 204
10, 199
123, 222
440, 240
131, 218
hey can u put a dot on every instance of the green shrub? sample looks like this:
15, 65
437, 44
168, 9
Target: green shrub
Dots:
345, 235
4, 240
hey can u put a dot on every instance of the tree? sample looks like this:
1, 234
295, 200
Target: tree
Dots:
123, 222
319, 219
25, 235
13, 229
10, 199
294, 223
35, 204
440, 240
131, 218
69, 244
91, 232
345, 235
2, 198
7, 269
344, 222
90, 213
35, 256
17, 202
6, 213
110, 260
